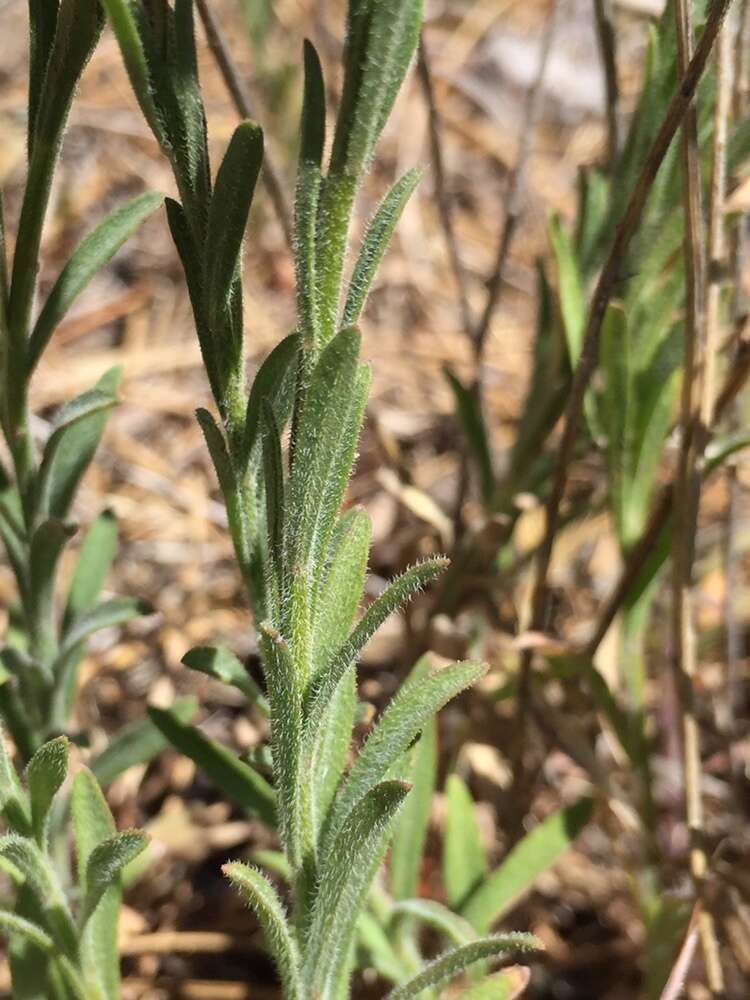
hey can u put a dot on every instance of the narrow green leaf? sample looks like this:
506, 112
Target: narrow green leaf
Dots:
96, 250
47, 544
72, 444
42, 882
319, 466
45, 774
93, 825
240, 782
106, 862
313, 108
42, 25
346, 874
379, 951
410, 832
451, 964
414, 705
263, 899
14, 804
469, 413
275, 382
12, 924
125, 26
137, 744
375, 244
528, 859
464, 858
230, 205
381, 42
438, 917
117, 611
393, 597
221, 664
94, 560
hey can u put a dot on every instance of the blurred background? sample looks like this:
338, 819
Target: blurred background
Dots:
484, 125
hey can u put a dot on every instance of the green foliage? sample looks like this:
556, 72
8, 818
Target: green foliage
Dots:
464, 858
54, 935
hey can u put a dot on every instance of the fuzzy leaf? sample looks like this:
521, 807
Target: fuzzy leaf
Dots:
47, 544
221, 664
410, 832
93, 825
321, 468
14, 805
346, 874
230, 205
393, 597
239, 781
106, 862
274, 382
96, 250
42, 882
116, 611
262, 898
273, 480
464, 859
528, 859
42, 25
381, 41
13, 925
94, 560
71, 447
375, 244
137, 744
121, 16
413, 706
439, 918
452, 963
44, 777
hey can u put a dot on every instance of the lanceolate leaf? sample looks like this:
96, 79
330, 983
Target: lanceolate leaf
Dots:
469, 412
445, 968
528, 859
139, 743
261, 896
12, 924
347, 871
230, 204
72, 444
375, 244
94, 560
439, 918
410, 832
221, 663
14, 805
464, 858
93, 825
414, 705
106, 862
94, 252
116, 611
44, 776
274, 382
313, 109
238, 780
393, 597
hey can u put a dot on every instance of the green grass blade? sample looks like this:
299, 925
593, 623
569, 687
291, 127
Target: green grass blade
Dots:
464, 858
528, 859
239, 781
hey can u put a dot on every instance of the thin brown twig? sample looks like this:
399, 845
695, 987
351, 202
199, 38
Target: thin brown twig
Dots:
271, 175
434, 125
590, 351
514, 196
701, 339
605, 33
